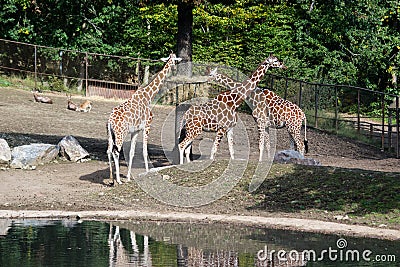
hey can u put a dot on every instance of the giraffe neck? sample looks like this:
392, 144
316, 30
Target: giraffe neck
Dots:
226, 81
151, 89
250, 84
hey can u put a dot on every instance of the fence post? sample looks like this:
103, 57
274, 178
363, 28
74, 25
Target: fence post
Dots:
300, 93
390, 129
286, 87
397, 128
383, 123
316, 106
86, 73
35, 66
371, 130
358, 111
336, 110
137, 71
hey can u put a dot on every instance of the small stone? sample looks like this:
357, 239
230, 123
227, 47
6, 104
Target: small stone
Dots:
341, 217
166, 177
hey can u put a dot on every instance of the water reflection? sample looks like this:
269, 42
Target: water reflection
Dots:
127, 243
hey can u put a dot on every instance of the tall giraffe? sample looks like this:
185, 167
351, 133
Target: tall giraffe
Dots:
219, 114
132, 116
271, 110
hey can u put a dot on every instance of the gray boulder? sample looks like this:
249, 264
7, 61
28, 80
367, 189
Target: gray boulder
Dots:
292, 156
5, 152
71, 149
29, 156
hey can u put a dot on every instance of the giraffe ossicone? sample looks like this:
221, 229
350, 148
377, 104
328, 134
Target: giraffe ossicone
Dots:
133, 116
219, 114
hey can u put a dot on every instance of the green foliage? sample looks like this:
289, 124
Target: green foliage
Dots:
335, 41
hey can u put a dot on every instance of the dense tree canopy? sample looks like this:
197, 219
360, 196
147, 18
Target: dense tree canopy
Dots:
332, 41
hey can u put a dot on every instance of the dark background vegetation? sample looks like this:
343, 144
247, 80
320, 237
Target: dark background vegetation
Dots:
335, 41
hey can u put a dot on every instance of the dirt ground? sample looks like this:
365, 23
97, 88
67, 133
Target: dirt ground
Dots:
82, 186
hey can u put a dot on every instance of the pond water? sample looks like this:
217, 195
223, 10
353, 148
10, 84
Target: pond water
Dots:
129, 243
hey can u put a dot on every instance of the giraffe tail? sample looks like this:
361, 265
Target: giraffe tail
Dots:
182, 135
305, 135
111, 137
182, 129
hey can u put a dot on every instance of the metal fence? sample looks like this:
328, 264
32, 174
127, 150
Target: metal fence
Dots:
63, 69
328, 107
338, 107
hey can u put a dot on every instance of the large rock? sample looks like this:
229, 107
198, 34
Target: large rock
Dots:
5, 152
292, 156
29, 156
71, 149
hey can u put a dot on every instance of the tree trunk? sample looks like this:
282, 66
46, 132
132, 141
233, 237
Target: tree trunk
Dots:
184, 36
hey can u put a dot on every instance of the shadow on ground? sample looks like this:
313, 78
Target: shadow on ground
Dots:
354, 191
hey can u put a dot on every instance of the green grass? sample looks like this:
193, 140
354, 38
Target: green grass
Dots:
367, 197
28, 83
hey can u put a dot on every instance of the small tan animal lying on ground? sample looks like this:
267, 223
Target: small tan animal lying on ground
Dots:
85, 106
41, 99
71, 105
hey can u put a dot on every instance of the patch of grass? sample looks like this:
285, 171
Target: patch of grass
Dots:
52, 83
367, 197
4, 82
358, 193
17, 81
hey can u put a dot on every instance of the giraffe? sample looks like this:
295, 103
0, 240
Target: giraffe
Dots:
271, 110
132, 116
219, 114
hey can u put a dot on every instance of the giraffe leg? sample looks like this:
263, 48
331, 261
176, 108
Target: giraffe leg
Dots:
145, 153
113, 152
192, 131
261, 139
132, 153
184, 149
115, 155
109, 152
187, 152
298, 142
267, 142
291, 137
230, 143
294, 133
217, 141
181, 151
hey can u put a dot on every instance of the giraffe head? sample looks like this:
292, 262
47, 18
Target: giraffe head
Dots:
172, 58
212, 74
273, 62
